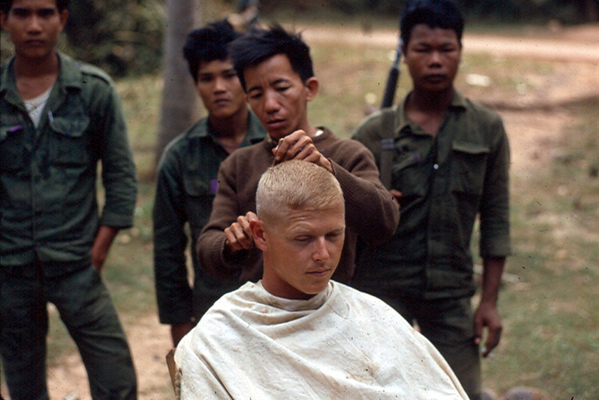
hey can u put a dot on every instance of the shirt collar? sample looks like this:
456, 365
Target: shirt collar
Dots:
8, 85
69, 76
254, 134
457, 103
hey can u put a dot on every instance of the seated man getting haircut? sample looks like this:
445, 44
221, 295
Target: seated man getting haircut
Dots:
296, 332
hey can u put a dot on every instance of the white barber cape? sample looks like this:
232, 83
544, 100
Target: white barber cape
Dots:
340, 344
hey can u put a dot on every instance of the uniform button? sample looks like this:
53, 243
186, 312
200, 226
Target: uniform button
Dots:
436, 166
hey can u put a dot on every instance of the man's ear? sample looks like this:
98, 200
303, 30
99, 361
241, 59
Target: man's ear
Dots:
64, 16
3, 18
257, 228
312, 88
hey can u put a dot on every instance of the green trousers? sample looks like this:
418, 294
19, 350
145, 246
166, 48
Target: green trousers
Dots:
449, 325
87, 311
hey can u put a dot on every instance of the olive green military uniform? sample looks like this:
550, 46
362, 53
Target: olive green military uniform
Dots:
50, 219
426, 271
187, 182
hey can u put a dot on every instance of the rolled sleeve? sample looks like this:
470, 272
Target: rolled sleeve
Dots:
118, 169
494, 208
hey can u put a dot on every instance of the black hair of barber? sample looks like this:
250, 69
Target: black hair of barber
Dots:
260, 44
443, 14
208, 44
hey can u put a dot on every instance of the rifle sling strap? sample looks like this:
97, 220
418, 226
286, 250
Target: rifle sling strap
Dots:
387, 147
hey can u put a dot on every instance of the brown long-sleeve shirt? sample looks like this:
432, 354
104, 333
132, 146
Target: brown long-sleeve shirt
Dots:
370, 211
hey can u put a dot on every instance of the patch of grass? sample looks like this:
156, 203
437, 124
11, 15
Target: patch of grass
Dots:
352, 82
551, 339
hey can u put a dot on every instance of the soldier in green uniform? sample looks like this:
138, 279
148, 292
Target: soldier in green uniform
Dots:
450, 161
187, 178
59, 118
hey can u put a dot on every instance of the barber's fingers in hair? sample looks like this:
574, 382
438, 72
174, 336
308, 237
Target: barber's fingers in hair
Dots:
231, 243
237, 238
244, 223
311, 154
251, 216
300, 150
285, 148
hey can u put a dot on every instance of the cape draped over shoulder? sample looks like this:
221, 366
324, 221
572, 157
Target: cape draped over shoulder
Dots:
341, 343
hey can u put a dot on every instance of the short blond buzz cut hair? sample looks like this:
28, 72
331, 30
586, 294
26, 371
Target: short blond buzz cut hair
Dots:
297, 185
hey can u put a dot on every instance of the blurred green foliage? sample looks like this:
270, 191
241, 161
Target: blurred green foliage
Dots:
121, 36
124, 37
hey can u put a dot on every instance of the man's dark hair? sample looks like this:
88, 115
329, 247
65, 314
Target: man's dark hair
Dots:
443, 14
261, 44
7, 5
208, 44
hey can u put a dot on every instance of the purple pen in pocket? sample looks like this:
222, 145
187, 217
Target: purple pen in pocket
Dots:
213, 186
15, 128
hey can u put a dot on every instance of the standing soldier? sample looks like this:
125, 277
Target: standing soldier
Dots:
187, 178
59, 117
450, 160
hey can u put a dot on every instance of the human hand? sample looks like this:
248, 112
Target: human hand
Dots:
395, 193
239, 235
101, 246
487, 316
299, 146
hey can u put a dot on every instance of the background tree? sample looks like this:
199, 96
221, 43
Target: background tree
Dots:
180, 103
126, 34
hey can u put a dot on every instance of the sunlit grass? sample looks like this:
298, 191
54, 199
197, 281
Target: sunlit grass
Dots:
551, 339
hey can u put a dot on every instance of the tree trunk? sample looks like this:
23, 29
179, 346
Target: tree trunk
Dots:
180, 101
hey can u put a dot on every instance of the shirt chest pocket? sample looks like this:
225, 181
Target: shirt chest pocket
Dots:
12, 150
410, 169
69, 144
199, 193
469, 165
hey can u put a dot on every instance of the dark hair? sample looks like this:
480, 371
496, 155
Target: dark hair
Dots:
443, 14
7, 5
208, 44
260, 44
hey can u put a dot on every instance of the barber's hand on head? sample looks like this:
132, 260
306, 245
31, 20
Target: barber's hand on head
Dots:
239, 234
299, 146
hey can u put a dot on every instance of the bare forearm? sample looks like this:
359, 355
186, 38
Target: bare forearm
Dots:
102, 243
492, 271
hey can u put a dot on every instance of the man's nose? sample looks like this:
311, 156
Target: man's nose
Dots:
321, 251
271, 102
435, 58
35, 24
219, 85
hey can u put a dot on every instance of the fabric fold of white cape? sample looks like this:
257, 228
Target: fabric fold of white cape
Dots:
340, 344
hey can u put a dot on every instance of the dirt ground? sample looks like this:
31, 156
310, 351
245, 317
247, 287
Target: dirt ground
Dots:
531, 131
